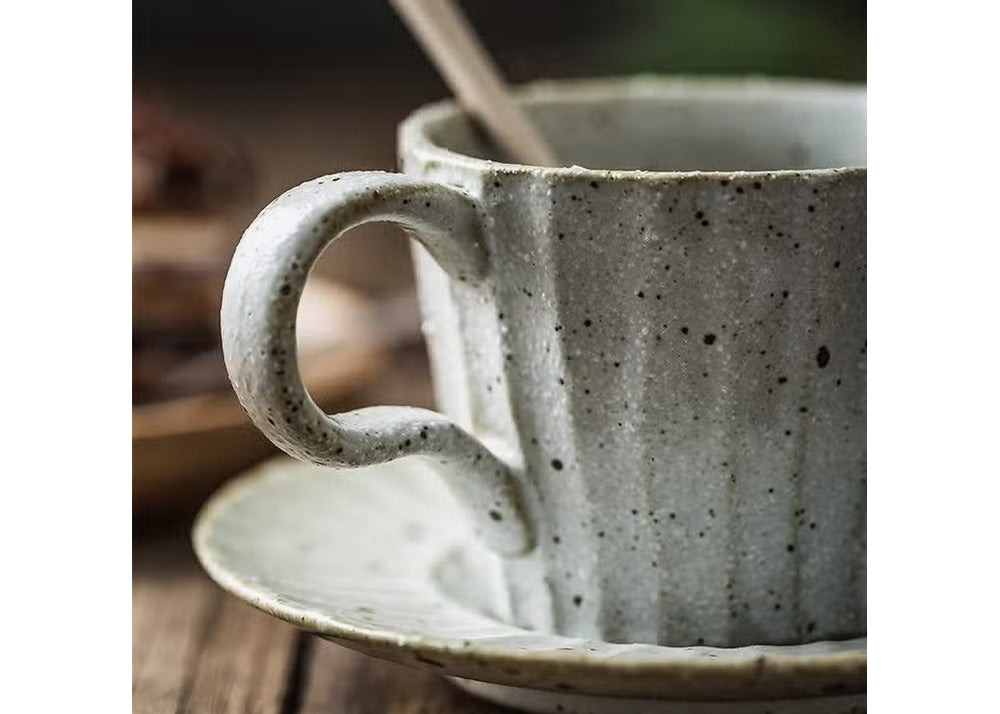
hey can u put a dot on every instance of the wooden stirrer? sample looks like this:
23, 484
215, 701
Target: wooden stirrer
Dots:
451, 43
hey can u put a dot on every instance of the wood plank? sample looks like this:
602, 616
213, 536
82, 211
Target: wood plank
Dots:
194, 647
170, 602
244, 664
338, 680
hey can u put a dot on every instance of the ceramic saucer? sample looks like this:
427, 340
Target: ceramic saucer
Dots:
381, 560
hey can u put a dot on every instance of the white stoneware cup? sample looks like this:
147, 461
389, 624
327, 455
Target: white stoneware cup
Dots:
651, 373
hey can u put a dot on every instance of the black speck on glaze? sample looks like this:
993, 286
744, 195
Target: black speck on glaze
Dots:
823, 356
557, 464
709, 339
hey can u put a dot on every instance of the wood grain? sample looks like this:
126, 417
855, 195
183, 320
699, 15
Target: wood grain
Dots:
195, 648
339, 680
170, 602
243, 664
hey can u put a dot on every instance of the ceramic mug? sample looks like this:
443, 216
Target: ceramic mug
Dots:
651, 374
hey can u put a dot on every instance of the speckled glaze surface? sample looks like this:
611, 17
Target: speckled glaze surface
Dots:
653, 380
382, 560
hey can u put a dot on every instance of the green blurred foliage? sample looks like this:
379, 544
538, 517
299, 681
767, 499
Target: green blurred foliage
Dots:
805, 38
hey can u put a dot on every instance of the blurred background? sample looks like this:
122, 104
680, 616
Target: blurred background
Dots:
234, 103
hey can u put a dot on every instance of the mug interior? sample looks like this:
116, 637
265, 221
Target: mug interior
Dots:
683, 125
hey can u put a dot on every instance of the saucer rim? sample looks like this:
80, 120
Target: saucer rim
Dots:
655, 664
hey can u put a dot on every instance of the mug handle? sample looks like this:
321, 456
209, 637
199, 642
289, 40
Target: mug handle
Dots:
259, 306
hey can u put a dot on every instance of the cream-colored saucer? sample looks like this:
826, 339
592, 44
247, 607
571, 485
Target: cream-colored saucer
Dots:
381, 560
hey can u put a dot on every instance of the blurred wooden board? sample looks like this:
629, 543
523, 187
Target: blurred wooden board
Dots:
183, 448
192, 239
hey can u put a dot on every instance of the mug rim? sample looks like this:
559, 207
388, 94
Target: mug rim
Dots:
413, 131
